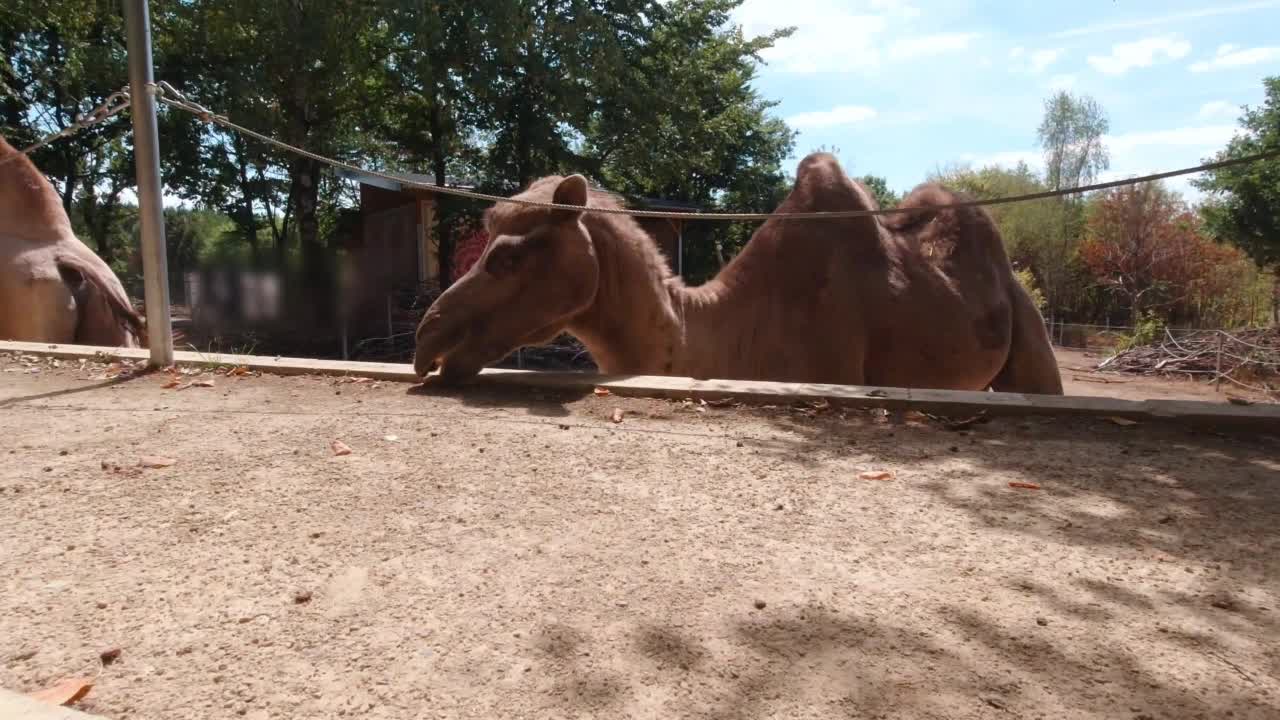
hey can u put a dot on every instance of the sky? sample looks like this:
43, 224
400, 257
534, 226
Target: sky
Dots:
903, 88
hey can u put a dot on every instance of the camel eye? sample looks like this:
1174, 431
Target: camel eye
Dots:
503, 259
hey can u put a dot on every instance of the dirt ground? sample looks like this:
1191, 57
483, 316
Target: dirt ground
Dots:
1079, 378
518, 555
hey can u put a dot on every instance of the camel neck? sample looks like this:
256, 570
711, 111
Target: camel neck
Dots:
634, 326
647, 322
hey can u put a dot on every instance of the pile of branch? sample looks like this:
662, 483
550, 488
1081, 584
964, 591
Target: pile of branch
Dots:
1208, 354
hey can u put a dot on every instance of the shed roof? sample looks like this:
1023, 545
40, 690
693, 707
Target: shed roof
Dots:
419, 179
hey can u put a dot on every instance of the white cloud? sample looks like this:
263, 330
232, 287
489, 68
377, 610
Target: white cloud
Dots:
835, 117
1171, 18
1008, 158
828, 36
843, 36
1232, 56
1219, 109
1209, 136
927, 45
1017, 52
1042, 59
1064, 81
1140, 53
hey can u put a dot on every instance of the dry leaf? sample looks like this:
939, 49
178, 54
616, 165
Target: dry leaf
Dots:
239, 370
390, 438
202, 383
340, 448
171, 384
617, 415
64, 692
602, 392
155, 461
1024, 485
877, 475
1123, 422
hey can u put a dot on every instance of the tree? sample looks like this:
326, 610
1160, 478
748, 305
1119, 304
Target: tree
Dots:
1138, 243
1244, 201
879, 188
301, 72
1071, 136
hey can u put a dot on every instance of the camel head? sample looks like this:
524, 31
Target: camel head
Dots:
538, 272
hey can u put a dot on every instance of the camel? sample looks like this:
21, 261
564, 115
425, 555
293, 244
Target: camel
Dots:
921, 299
53, 288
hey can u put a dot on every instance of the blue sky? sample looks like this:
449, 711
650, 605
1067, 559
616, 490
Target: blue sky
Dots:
905, 87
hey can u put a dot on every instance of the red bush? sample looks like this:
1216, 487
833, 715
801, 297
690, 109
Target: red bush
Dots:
468, 250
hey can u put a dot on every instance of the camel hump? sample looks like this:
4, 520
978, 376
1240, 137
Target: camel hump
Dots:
925, 201
821, 185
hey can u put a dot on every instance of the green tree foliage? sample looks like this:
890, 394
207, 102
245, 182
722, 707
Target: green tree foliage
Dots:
1071, 136
879, 188
1244, 204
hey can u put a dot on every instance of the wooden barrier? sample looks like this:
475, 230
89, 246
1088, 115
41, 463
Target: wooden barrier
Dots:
956, 403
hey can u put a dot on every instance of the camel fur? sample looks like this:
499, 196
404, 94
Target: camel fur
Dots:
53, 288
923, 299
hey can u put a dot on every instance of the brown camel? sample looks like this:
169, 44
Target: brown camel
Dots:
53, 288
924, 299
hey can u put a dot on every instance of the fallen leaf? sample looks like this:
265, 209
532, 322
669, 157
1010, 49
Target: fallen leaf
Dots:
340, 448
155, 461
202, 383
1123, 422
238, 370
64, 692
171, 384
390, 438
1024, 485
876, 475
617, 415
602, 392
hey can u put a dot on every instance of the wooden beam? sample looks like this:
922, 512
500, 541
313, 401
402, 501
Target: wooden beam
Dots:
428, 260
956, 403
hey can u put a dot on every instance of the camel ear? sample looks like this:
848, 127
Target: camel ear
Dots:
571, 191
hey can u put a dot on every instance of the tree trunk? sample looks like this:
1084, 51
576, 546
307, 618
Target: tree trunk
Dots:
245, 217
306, 178
1275, 296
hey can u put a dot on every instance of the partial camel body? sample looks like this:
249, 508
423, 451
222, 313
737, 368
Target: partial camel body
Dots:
53, 288
925, 299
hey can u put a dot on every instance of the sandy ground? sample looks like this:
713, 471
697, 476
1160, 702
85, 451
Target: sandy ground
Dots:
1079, 378
518, 555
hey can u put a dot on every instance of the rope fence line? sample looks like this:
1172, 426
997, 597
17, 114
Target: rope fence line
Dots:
115, 103
168, 95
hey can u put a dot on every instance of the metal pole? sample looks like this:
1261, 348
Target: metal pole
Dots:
680, 248
146, 146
